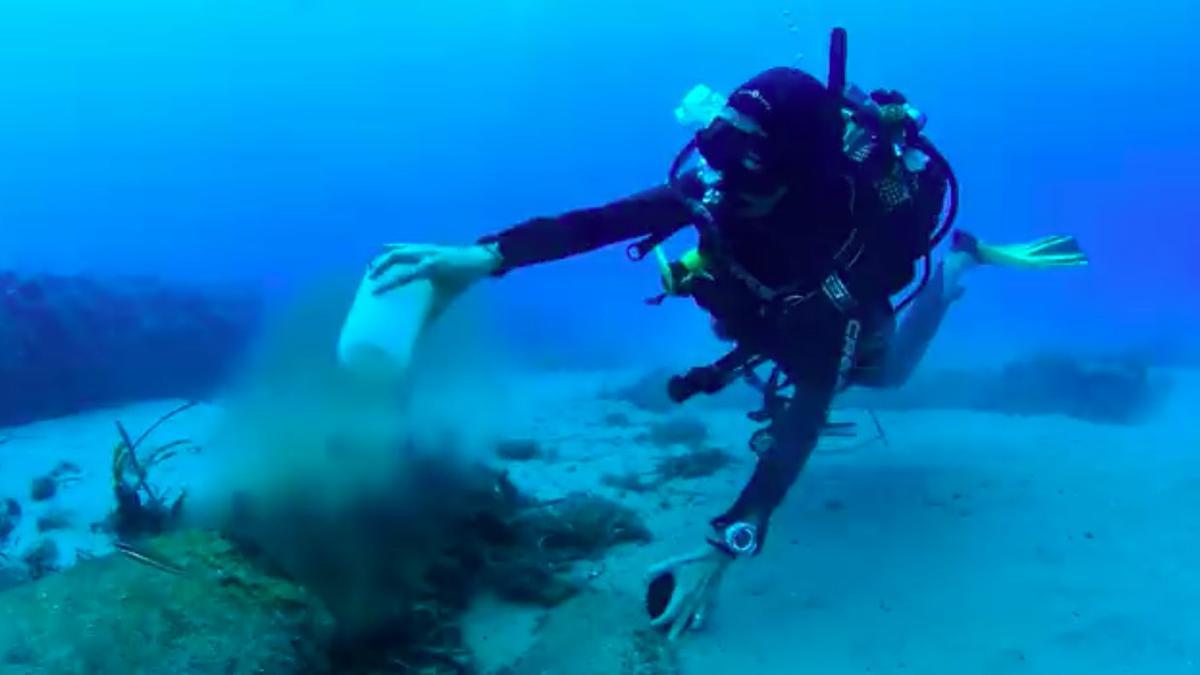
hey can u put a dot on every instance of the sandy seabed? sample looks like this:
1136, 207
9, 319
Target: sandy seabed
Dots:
968, 543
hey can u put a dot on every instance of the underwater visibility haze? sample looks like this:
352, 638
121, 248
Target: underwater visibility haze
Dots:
276, 140
191, 191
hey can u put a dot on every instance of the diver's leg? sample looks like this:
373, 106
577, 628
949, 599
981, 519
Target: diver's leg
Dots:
920, 324
911, 340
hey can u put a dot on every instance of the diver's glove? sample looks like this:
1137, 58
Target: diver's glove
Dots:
681, 591
451, 269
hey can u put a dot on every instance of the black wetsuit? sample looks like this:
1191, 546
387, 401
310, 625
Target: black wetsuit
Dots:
836, 216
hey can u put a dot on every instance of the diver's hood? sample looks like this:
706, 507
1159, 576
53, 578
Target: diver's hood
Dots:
787, 121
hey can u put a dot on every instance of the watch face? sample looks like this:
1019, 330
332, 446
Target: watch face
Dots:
762, 441
741, 538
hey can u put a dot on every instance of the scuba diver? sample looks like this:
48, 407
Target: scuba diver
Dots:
815, 204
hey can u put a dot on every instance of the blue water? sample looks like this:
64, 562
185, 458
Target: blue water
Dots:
281, 142
278, 141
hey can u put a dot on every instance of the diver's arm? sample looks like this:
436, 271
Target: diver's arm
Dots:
545, 239
795, 433
454, 268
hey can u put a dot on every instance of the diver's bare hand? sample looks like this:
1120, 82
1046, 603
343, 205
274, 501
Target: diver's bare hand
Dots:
692, 581
450, 268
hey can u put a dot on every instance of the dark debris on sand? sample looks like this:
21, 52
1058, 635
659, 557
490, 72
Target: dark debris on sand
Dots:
378, 588
42, 488
291, 584
10, 516
581, 526
692, 465
617, 420
630, 481
397, 572
41, 560
682, 430
46, 487
601, 634
54, 520
689, 465
519, 450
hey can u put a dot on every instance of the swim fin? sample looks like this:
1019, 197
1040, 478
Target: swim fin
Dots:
1047, 252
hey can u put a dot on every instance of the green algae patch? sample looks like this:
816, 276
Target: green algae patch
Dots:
183, 603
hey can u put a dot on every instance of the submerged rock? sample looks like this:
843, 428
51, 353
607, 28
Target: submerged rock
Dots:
73, 342
43, 488
10, 516
1115, 391
1104, 390
54, 520
618, 420
519, 450
206, 610
41, 559
648, 392
680, 430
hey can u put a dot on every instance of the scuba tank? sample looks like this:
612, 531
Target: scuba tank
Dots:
884, 120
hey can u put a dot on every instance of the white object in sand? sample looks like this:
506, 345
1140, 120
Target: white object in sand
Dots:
381, 331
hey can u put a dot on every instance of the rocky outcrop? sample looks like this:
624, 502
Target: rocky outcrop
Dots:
1103, 390
186, 603
69, 343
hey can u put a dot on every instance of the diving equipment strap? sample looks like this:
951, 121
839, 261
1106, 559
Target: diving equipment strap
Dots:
833, 286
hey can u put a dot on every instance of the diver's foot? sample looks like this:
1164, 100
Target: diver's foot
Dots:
966, 244
964, 255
